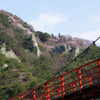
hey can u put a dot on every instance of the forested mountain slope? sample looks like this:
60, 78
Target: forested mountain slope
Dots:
29, 58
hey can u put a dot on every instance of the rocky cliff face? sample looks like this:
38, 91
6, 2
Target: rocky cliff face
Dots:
54, 45
28, 29
8, 53
19, 24
62, 45
63, 49
35, 44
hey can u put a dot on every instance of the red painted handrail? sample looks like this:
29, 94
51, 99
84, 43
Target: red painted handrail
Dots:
81, 77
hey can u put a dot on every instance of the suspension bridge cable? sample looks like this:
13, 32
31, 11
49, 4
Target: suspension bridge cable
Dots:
74, 58
81, 53
72, 61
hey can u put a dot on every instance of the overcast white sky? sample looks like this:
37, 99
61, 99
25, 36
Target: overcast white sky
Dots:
79, 18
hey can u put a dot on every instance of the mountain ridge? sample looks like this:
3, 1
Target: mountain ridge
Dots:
41, 55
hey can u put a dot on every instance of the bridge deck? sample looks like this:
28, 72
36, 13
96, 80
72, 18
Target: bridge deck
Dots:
90, 92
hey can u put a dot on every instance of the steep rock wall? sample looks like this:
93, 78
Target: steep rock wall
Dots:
35, 44
8, 53
63, 49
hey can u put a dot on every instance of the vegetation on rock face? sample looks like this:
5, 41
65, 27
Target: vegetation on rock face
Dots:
43, 36
18, 44
4, 38
25, 25
4, 19
27, 76
17, 77
89, 55
9, 77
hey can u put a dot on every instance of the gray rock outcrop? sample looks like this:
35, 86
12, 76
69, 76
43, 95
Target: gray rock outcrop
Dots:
63, 49
8, 53
18, 24
35, 44
30, 31
4, 66
77, 50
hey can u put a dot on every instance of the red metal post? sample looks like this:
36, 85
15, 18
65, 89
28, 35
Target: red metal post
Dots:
48, 96
63, 88
34, 95
59, 93
99, 68
80, 78
74, 87
90, 81
22, 97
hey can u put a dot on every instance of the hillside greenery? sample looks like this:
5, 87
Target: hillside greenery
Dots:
31, 77
43, 36
89, 55
18, 77
4, 19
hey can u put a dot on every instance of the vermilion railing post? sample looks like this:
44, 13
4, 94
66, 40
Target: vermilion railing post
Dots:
74, 87
80, 78
59, 93
90, 81
99, 68
48, 96
34, 95
22, 97
63, 88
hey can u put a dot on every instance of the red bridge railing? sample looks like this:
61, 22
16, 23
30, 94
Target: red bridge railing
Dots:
73, 81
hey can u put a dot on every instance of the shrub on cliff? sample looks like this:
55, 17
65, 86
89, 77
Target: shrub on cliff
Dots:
43, 36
